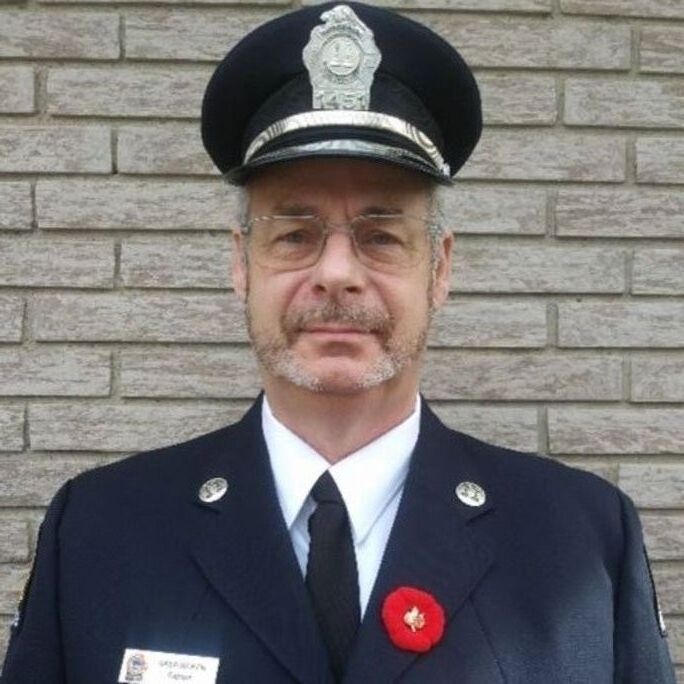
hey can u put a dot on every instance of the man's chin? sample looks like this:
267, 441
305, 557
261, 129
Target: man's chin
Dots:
342, 376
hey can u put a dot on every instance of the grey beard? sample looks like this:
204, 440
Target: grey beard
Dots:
276, 356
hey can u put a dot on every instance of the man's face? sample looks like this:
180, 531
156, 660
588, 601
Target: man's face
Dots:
339, 325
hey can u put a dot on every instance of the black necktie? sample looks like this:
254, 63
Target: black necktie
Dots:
331, 575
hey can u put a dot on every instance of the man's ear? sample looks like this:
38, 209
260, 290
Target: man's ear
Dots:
442, 271
239, 265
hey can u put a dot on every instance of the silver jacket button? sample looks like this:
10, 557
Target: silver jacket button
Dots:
213, 490
471, 494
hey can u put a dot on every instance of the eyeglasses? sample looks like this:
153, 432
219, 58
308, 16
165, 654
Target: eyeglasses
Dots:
383, 242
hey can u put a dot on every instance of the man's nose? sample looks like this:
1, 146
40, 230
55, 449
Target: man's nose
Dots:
338, 267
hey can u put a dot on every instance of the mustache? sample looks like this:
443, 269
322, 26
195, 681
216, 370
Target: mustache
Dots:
365, 318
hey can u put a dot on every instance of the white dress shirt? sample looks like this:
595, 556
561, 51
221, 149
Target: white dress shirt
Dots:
370, 480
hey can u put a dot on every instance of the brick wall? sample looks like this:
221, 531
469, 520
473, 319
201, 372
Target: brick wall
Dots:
565, 330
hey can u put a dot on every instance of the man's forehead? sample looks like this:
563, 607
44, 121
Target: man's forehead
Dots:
314, 180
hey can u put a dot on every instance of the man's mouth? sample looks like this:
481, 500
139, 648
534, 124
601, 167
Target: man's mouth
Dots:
332, 320
332, 329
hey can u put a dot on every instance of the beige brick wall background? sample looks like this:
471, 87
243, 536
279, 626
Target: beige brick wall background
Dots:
564, 333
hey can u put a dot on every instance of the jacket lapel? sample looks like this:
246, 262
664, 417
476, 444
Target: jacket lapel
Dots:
243, 548
433, 546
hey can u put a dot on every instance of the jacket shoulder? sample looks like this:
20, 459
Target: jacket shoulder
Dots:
532, 480
533, 465
155, 477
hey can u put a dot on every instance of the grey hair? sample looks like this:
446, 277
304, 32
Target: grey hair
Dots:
241, 204
437, 213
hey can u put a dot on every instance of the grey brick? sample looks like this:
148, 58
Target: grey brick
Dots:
5, 630
163, 149
546, 155
176, 262
220, 373
54, 371
511, 427
626, 8
15, 206
4, 634
670, 584
534, 43
511, 266
16, 90
478, 323
653, 485
11, 314
487, 209
14, 538
620, 213
48, 149
521, 376
162, 92
11, 428
175, 2
661, 49
644, 103
12, 580
64, 35
138, 205
518, 99
130, 427
483, 42
621, 324
616, 430
179, 34
660, 160
664, 535
34, 480
675, 635
658, 271
55, 263
658, 378
542, 6
138, 317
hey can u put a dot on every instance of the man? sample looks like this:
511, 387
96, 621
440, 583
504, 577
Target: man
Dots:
340, 531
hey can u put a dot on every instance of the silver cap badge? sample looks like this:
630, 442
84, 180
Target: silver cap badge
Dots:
341, 57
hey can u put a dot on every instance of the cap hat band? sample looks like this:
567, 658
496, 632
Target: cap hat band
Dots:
344, 147
361, 119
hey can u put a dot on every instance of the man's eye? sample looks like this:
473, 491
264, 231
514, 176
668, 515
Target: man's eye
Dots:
379, 237
376, 237
296, 236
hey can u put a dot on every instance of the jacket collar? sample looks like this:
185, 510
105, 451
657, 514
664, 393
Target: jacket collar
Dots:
243, 548
434, 545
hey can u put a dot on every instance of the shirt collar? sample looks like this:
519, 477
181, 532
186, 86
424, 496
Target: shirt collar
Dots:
368, 479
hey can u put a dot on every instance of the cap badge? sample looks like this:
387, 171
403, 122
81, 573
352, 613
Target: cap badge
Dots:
341, 58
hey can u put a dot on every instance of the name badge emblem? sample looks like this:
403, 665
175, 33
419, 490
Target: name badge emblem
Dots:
155, 667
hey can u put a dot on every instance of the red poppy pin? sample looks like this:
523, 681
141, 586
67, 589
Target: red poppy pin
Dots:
413, 619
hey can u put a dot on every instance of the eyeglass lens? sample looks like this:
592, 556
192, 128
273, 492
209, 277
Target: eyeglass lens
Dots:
380, 241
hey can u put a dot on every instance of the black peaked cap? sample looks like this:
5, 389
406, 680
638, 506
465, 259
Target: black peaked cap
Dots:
421, 79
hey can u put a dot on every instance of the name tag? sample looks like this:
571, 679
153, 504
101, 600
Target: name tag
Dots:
158, 667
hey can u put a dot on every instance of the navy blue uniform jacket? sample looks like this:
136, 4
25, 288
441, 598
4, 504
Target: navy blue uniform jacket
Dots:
546, 582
